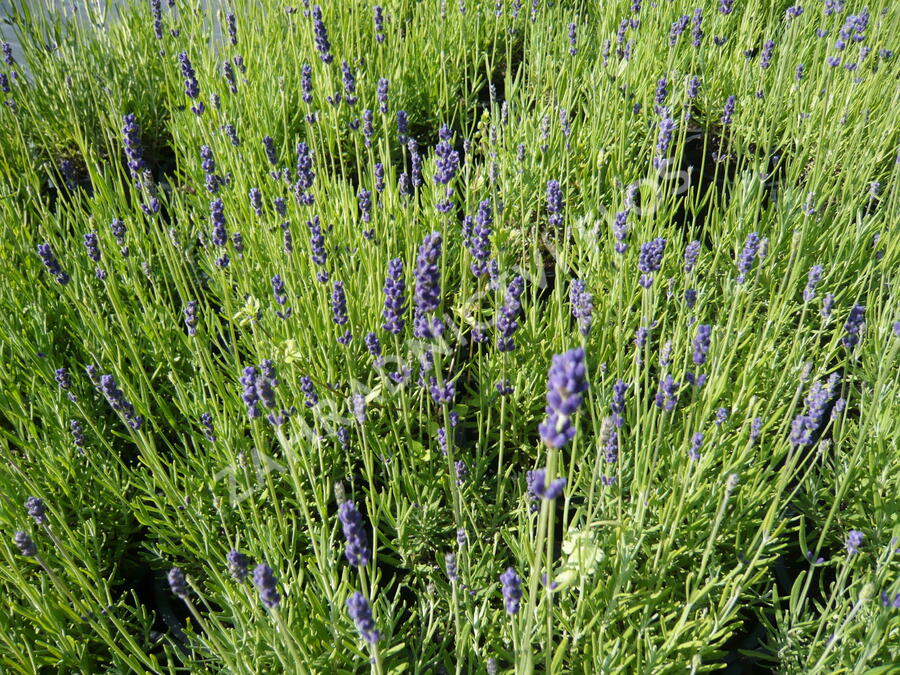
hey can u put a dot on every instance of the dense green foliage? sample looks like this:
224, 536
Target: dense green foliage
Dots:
660, 560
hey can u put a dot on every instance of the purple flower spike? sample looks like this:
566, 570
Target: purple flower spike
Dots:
382, 94
854, 541
853, 326
317, 245
582, 306
321, 36
339, 309
77, 433
678, 27
697, 32
250, 394
428, 288
554, 203
701, 344
765, 59
650, 260
664, 140
349, 83
745, 261
667, 396
177, 583
36, 509
691, 253
25, 545
52, 264
256, 200
264, 580
118, 402
512, 594
238, 564
359, 610
728, 111
357, 552
566, 382
507, 323
305, 175
394, 301
696, 445
815, 275
617, 406
693, 87
134, 152
191, 87
442, 395
479, 243
620, 231
378, 17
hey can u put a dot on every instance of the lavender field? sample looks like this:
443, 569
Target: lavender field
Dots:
464, 336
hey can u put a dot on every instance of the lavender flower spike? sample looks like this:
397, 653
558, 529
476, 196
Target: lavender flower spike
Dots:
554, 203
394, 301
701, 344
855, 321
566, 382
507, 323
36, 509
238, 564
479, 243
512, 594
582, 306
134, 153
745, 262
815, 275
191, 87
25, 545
650, 260
317, 246
264, 579
359, 610
52, 264
177, 583
118, 402
321, 35
428, 287
358, 552
339, 310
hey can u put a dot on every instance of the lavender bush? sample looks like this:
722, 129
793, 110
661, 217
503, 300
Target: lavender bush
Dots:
479, 336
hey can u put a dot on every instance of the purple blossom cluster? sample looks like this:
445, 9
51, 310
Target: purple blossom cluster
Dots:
52, 264
510, 588
479, 243
321, 36
357, 551
582, 306
566, 383
191, 86
317, 248
650, 260
359, 610
427, 294
394, 298
507, 323
539, 488
805, 425
119, 402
